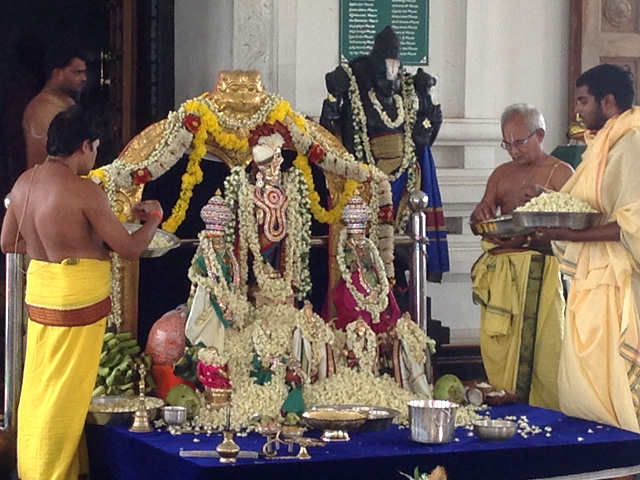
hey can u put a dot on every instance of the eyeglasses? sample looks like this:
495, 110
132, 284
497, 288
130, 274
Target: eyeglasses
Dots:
517, 143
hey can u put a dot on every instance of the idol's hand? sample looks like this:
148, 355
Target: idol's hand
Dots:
337, 82
147, 209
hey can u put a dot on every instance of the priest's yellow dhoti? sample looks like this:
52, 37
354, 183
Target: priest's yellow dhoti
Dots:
600, 361
67, 304
521, 301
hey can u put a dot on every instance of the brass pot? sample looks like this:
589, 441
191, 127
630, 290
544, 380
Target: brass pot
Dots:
228, 449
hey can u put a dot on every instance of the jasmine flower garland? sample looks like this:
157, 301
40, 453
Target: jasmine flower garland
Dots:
409, 105
231, 296
416, 341
239, 198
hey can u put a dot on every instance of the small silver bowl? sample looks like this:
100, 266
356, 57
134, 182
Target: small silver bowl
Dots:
174, 415
494, 430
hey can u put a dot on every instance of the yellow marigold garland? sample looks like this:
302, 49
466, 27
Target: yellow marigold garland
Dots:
193, 174
283, 109
318, 211
210, 126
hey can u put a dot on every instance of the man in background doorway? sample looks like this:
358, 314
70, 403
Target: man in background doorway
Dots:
67, 73
518, 288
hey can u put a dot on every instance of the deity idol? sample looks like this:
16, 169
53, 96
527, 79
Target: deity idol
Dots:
219, 300
378, 336
363, 292
273, 221
388, 118
312, 345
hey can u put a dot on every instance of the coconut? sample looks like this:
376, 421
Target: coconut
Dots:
449, 387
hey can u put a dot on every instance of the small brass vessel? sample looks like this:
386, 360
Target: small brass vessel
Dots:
141, 422
217, 397
228, 450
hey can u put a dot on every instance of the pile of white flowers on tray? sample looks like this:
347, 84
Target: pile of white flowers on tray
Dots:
556, 202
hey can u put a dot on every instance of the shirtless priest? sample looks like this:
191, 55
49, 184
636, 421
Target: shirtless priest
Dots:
64, 223
519, 289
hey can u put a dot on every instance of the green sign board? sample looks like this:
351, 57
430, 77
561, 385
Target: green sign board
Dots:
361, 20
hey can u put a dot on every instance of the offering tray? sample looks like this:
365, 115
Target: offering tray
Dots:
119, 410
335, 423
574, 220
165, 241
503, 226
378, 418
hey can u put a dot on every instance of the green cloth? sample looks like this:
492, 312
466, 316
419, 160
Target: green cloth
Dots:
572, 154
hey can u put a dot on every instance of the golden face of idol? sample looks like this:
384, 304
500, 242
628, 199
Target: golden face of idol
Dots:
239, 93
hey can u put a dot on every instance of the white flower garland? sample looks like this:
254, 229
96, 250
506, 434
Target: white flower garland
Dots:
345, 165
211, 356
115, 315
366, 359
250, 123
375, 309
318, 333
174, 141
397, 99
361, 138
416, 340
271, 332
231, 296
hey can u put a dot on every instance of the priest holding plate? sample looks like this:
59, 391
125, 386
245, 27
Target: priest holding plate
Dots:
518, 288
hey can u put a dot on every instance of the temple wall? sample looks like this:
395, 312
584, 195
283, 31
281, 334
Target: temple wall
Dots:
486, 54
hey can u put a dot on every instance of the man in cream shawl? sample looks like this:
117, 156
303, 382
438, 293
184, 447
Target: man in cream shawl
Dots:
600, 364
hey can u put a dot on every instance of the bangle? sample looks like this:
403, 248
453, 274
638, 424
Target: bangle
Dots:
157, 213
527, 244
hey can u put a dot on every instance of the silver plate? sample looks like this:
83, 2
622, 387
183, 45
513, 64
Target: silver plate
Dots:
556, 219
378, 418
155, 252
502, 226
100, 409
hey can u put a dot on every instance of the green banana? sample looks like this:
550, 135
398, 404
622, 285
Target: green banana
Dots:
103, 371
116, 360
99, 391
124, 335
111, 379
127, 386
128, 343
113, 343
132, 350
108, 336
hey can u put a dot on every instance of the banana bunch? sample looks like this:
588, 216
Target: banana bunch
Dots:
118, 371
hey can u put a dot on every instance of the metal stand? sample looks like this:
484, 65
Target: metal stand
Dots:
418, 202
14, 317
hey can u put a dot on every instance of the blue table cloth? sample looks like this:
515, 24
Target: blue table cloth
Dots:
574, 447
